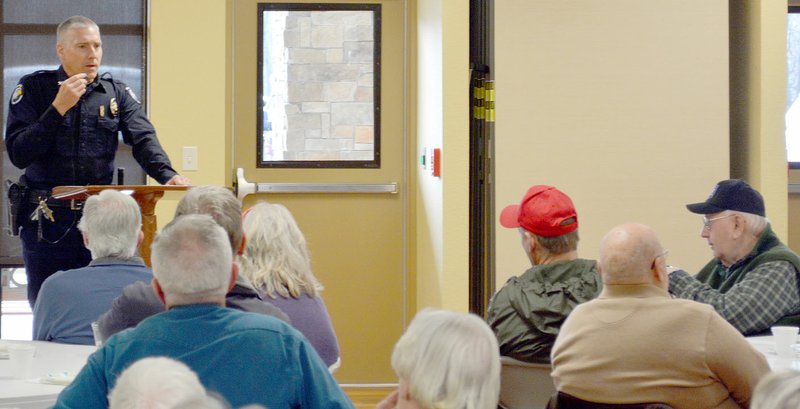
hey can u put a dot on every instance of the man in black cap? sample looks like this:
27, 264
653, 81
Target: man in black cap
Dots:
753, 279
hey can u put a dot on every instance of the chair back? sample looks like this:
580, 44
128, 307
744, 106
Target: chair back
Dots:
565, 401
524, 385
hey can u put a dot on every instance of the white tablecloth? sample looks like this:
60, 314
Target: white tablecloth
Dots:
766, 346
50, 358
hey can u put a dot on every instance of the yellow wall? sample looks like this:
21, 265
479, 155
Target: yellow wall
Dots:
455, 165
188, 100
758, 102
613, 104
189, 106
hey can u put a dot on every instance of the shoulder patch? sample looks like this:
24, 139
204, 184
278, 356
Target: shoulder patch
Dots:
132, 95
16, 96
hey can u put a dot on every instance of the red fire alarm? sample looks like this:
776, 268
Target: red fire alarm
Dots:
436, 163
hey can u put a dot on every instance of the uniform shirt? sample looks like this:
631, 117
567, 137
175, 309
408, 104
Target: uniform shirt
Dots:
247, 358
78, 148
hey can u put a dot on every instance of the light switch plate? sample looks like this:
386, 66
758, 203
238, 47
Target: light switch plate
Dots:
189, 158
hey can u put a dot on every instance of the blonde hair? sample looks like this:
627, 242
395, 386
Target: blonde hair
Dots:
450, 360
276, 257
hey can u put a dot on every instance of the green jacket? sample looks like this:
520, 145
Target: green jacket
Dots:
527, 313
768, 248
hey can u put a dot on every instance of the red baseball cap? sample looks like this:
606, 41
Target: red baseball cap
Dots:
544, 211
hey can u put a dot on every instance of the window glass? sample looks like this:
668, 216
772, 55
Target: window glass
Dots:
793, 88
318, 81
54, 12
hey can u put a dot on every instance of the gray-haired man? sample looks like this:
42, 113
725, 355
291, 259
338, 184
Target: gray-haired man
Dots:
72, 299
247, 358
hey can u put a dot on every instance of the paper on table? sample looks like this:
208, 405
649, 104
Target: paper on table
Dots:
58, 378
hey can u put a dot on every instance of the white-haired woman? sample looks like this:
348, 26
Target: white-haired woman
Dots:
446, 360
777, 390
161, 383
276, 261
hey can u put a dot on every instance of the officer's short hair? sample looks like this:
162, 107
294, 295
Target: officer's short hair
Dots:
74, 21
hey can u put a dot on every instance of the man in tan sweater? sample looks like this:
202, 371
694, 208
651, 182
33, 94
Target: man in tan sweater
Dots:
636, 344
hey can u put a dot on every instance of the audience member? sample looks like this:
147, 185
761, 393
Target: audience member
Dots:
111, 228
247, 358
155, 383
209, 402
778, 390
527, 313
445, 360
276, 261
635, 344
138, 301
753, 279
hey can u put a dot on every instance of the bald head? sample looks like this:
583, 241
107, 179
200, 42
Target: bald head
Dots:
629, 254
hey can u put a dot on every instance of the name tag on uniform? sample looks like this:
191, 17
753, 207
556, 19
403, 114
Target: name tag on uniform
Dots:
102, 111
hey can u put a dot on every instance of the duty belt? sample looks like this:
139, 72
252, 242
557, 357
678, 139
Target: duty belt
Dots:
36, 197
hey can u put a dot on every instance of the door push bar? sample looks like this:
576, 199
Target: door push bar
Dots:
243, 188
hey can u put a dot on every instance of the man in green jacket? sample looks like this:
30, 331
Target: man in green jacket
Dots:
752, 281
527, 313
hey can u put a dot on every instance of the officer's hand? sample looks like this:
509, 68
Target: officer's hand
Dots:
70, 92
179, 180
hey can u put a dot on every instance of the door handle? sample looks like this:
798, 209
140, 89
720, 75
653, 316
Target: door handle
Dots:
243, 188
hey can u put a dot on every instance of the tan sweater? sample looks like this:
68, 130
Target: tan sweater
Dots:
635, 344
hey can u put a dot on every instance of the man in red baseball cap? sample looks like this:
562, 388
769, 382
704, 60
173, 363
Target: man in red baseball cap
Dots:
527, 313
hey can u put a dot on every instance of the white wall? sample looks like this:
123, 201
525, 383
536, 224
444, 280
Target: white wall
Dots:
442, 121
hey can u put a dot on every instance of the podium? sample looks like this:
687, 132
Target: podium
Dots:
145, 196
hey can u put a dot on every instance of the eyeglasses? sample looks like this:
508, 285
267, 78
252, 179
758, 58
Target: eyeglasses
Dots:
707, 221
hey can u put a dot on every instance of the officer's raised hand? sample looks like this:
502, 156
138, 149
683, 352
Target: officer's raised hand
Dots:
70, 92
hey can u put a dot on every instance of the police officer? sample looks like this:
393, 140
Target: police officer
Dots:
62, 130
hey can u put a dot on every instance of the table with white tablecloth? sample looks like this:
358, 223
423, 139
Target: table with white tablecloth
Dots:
52, 362
766, 345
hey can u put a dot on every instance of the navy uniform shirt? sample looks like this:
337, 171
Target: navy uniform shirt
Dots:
78, 148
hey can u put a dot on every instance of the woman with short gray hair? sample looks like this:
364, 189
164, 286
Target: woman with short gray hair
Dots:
777, 390
446, 360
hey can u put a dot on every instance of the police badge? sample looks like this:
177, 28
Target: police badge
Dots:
16, 96
112, 107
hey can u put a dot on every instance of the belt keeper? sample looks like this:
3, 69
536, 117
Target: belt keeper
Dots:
76, 204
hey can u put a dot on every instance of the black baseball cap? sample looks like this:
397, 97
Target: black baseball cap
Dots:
731, 194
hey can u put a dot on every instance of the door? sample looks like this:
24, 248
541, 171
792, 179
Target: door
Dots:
358, 240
